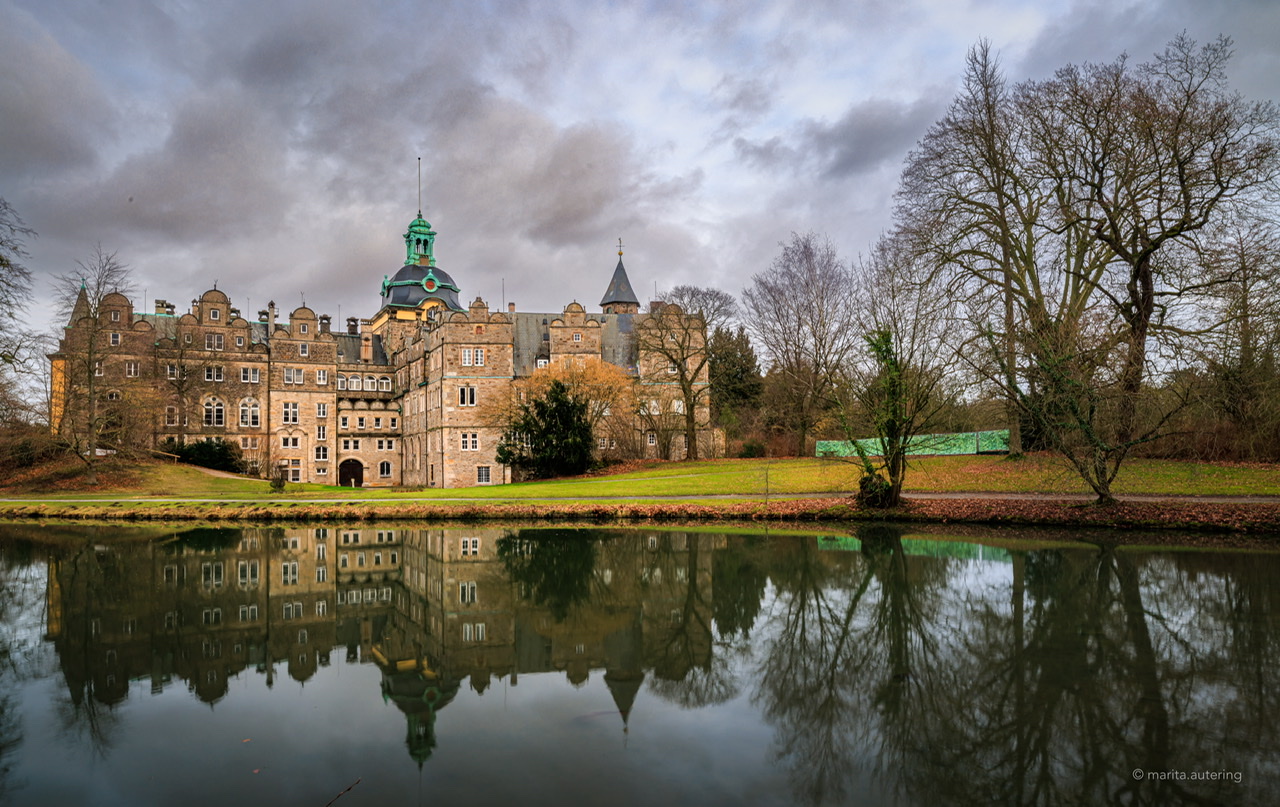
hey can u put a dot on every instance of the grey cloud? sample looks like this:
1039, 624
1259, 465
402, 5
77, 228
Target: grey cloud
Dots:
52, 110
869, 134
220, 174
768, 155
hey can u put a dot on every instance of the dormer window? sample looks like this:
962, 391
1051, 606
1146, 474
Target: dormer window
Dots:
302, 328
215, 314
115, 316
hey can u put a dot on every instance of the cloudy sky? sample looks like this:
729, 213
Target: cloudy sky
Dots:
272, 146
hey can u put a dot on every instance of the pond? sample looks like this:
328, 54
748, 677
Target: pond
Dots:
633, 667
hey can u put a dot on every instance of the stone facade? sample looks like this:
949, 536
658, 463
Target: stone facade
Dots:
397, 399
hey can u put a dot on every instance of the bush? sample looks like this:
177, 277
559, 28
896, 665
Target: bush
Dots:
218, 454
752, 449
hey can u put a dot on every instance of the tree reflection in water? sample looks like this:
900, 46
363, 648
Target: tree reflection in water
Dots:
1045, 677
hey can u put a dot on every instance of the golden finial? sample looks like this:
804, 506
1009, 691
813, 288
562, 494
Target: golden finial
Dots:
619, 247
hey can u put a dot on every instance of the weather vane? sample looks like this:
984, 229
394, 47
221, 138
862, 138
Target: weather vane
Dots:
619, 247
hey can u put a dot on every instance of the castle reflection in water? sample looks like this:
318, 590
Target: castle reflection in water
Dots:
432, 608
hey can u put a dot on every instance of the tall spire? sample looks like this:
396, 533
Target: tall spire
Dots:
420, 240
619, 298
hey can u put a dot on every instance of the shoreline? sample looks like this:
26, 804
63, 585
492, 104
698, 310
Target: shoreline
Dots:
1258, 521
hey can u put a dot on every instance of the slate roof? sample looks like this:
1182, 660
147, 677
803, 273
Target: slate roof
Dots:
619, 290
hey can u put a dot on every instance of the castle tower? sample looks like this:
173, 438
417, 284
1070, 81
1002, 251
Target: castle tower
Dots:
619, 297
416, 288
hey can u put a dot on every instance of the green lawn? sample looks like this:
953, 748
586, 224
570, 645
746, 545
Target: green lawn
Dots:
699, 480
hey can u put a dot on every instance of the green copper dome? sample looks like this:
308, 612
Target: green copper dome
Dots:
420, 242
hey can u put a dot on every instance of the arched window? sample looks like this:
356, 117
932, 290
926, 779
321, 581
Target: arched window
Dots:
384, 469
384, 384
370, 383
249, 413
342, 381
213, 413
354, 382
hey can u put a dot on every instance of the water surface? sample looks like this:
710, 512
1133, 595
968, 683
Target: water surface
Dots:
537, 666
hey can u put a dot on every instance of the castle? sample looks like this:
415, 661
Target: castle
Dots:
396, 399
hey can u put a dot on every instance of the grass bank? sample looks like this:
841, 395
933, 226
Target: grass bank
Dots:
713, 491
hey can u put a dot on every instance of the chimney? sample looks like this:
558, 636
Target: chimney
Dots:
366, 348
511, 308
162, 306
656, 306
324, 323
353, 325
271, 316
169, 309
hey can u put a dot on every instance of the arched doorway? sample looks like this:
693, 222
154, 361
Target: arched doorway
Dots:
351, 474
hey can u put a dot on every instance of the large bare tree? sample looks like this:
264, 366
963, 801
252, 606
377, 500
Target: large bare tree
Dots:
671, 341
85, 350
899, 388
1068, 199
799, 312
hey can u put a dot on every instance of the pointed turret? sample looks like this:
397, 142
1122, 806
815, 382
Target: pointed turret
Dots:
619, 298
81, 308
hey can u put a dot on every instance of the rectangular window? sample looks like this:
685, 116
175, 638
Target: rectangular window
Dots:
377, 423
131, 369
470, 546
211, 573
97, 368
213, 374
171, 416
304, 350
322, 376
342, 422
677, 406
295, 475
466, 396
289, 442
239, 341
294, 376
470, 441
290, 412
466, 592
322, 410
653, 439
360, 423
289, 573
322, 432
250, 375
171, 371
115, 316
213, 341
466, 355
215, 314
542, 363
602, 443
577, 337
115, 340
479, 357
482, 475
395, 423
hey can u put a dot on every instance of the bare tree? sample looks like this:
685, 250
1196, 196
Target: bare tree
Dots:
800, 314
76, 413
671, 341
1149, 156
1069, 200
902, 386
